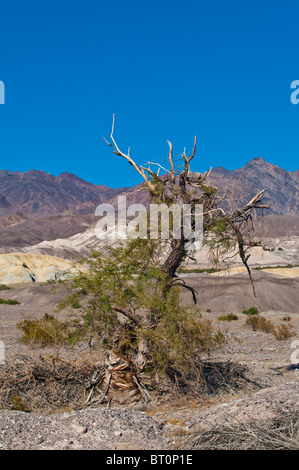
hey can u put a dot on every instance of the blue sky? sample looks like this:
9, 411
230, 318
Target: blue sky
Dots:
168, 70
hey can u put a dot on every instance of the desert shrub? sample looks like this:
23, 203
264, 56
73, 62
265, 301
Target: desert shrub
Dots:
228, 317
251, 311
258, 323
286, 318
130, 307
18, 404
209, 310
47, 331
71, 300
75, 303
9, 302
45, 384
4, 287
287, 266
283, 331
180, 339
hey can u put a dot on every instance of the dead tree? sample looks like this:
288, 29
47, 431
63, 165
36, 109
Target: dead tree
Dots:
223, 230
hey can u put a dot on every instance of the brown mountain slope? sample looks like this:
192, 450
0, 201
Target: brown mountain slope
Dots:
36, 206
37, 194
32, 231
281, 186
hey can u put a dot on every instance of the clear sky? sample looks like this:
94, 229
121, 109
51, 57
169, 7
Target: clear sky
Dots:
168, 70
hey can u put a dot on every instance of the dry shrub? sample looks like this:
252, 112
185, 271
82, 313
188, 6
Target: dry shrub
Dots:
279, 433
211, 378
45, 384
284, 331
228, 317
46, 331
259, 323
225, 377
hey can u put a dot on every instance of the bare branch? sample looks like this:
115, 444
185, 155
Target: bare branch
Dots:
191, 289
127, 314
117, 151
170, 157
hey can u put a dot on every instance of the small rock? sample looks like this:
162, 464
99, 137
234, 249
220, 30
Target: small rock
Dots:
79, 429
118, 433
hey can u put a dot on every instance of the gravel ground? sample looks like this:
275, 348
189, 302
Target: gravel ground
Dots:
120, 429
90, 429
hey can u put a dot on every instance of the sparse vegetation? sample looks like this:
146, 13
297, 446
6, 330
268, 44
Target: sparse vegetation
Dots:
286, 318
45, 384
286, 266
4, 287
251, 311
259, 323
47, 331
199, 271
18, 404
9, 302
278, 433
228, 317
284, 331
281, 332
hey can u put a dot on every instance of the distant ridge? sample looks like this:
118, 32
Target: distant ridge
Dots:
35, 194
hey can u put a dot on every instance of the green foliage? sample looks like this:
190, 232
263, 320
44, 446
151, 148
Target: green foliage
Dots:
258, 323
131, 278
228, 317
4, 287
47, 331
251, 311
180, 337
198, 270
71, 300
287, 266
209, 190
75, 303
18, 404
9, 302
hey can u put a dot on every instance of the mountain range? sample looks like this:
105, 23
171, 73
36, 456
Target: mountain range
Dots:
36, 206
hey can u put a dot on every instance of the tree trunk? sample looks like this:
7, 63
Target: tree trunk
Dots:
175, 258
